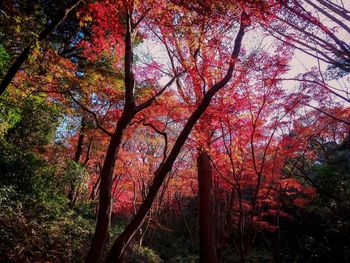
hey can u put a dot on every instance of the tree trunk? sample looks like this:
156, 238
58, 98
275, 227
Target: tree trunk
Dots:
95, 188
243, 258
207, 247
106, 183
276, 248
105, 200
78, 153
26, 52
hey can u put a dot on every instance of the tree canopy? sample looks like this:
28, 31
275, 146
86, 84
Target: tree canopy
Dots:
174, 131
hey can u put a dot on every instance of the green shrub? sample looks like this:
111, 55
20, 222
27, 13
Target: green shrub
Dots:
140, 254
25, 237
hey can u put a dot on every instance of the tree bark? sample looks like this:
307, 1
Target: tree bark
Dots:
26, 52
207, 247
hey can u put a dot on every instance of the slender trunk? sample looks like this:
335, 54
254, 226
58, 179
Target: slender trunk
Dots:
87, 157
276, 240
207, 247
77, 156
219, 252
187, 228
276, 248
80, 144
95, 189
26, 52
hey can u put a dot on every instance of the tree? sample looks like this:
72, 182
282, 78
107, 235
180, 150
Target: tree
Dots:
26, 52
318, 30
300, 25
129, 111
123, 240
248, 147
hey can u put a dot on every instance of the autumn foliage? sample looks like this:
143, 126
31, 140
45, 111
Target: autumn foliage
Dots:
137, 93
